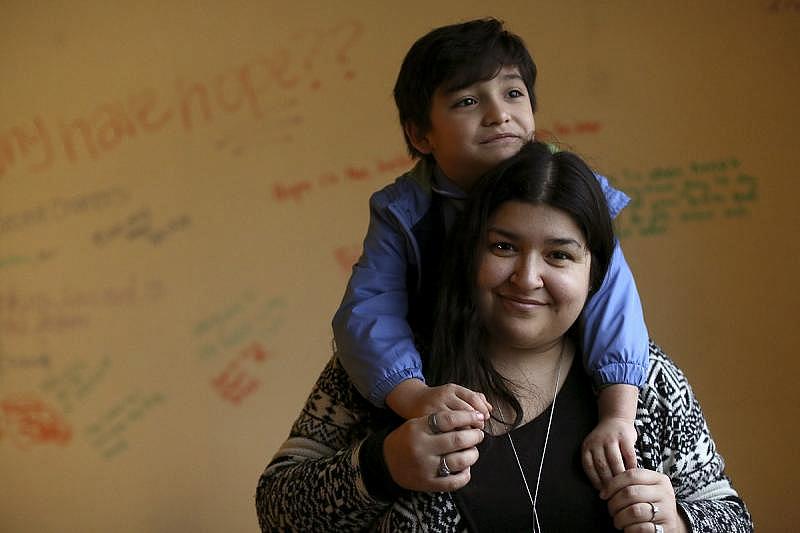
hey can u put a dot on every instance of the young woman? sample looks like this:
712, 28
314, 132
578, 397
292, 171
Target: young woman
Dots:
535, 241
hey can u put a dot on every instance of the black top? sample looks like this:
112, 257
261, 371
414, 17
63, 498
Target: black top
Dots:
496, 500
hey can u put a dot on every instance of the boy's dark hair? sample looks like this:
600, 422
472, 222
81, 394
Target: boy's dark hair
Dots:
537, 176
456, 56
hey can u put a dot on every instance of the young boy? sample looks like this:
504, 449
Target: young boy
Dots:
465, 96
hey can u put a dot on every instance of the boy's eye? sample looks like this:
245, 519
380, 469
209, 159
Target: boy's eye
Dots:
515, 93
466, 101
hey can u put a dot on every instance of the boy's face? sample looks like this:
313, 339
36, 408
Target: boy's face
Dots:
475, 128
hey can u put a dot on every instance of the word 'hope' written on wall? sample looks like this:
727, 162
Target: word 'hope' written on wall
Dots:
699, 191
261, 86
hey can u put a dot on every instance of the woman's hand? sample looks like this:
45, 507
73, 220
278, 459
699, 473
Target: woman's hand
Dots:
414, 451
643, 501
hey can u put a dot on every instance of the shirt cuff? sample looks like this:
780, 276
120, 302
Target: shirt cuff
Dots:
378, 395
374, 471
620, 374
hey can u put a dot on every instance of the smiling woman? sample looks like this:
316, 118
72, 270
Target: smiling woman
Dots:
535, 241
533, 278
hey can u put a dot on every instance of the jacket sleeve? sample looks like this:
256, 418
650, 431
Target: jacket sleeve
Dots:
314, 481
681, 447
372, 334
614, 333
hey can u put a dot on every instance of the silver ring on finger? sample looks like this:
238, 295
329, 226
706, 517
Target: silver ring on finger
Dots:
443, 470
654, 510
432, 424
657, 528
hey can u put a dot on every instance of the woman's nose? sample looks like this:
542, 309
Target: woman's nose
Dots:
528, 273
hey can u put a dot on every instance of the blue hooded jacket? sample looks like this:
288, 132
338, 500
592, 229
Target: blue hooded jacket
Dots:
371, 328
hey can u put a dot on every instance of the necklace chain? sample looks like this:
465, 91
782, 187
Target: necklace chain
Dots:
534, 497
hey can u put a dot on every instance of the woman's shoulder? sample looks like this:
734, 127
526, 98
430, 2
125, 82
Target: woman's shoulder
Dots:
334, 412
667, 387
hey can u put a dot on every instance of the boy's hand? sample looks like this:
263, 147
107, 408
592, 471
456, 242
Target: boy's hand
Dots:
609, 450
412, 399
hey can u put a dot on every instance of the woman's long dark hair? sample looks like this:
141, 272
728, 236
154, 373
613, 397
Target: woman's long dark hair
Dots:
535, 175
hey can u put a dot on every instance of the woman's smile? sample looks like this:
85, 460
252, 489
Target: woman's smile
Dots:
521, 304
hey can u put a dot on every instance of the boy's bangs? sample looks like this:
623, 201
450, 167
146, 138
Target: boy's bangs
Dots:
486, 64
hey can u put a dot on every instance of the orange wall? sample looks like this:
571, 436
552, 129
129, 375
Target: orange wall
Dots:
183, 187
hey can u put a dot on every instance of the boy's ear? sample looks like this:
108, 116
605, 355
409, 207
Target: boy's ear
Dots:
419, 141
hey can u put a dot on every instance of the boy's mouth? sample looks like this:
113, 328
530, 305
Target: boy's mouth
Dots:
500, 137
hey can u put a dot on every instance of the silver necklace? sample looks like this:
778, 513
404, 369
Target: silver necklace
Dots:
534, 497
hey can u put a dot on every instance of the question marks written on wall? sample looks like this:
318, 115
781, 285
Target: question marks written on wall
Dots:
263, 87
700, 191
235, 335
340, 39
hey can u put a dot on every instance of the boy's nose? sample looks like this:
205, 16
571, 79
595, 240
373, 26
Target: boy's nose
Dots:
495, 114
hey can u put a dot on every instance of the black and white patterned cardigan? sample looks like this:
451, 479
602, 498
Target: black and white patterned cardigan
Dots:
314, 483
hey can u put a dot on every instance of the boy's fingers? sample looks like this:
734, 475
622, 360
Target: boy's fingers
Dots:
591, 473
629, 457
614, 458
449, 420
457, 404
601, 466
476, 400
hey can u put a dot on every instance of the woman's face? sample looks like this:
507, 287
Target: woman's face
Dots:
533, 275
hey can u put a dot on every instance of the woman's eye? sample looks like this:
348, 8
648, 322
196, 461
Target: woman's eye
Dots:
558, 255
501, 247
515, 93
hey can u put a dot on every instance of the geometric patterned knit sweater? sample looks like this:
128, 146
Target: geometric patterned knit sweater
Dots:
314, 483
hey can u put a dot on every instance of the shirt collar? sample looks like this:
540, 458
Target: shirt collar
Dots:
442, 185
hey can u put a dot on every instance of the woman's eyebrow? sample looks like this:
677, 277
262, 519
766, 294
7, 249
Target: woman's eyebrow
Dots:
508, 234
564, 241
558, 241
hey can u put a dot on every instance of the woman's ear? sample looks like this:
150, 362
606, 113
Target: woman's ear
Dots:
418, 140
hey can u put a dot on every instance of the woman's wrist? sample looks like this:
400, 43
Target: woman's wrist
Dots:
374, 471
